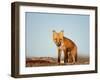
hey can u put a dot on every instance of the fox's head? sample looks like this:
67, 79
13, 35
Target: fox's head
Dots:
58, 37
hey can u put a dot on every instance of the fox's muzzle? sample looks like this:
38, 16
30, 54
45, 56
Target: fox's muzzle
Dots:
58, 44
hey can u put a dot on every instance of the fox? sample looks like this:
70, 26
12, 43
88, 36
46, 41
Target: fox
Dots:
66, 45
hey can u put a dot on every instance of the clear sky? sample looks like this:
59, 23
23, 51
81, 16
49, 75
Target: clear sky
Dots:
39, 27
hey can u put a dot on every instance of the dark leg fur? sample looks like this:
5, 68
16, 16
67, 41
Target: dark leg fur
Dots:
76, 58
59, 55
65, 57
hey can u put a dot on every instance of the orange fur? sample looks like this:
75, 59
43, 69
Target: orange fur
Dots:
67, 46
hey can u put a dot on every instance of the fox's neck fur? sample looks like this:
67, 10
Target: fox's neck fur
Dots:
65, 44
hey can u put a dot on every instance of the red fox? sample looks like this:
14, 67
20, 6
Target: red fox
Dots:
67, 46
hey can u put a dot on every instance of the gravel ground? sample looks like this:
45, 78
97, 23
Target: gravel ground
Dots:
49, 61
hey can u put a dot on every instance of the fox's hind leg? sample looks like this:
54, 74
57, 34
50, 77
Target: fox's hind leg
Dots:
74, 55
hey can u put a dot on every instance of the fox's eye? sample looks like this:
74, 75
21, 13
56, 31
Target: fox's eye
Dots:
55, 39
60, 39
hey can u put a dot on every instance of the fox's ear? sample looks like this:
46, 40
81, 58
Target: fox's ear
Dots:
54, 34
53, 31
62, 31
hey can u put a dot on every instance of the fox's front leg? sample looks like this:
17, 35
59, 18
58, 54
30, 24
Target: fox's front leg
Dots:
59, 55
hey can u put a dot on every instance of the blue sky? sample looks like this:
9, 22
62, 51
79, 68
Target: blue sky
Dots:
39, 27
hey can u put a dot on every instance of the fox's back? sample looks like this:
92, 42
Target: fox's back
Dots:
68, 43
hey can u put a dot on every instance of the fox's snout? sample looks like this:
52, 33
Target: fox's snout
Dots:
58, 43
